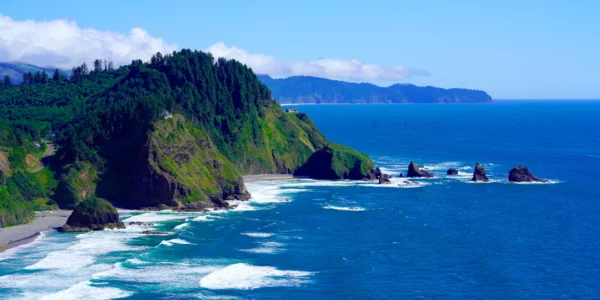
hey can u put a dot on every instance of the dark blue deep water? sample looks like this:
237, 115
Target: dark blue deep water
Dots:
444, 238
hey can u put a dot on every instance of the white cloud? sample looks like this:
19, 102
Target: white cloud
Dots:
328, 67
62, 43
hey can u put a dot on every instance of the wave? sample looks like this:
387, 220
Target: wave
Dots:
171, 242
345, 208
243, 276
12, 251
83, 290
258, 234
202, 219
266, 248
181, 226
154, 217
548, 181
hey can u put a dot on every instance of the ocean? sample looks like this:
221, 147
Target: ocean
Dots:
445, 238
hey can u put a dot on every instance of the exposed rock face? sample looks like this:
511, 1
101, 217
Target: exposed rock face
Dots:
93, 214
452, 171
384, 179
479, 174
336, 162
415, 171
520, 174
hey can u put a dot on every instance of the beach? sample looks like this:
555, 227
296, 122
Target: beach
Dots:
22, 234
263, 177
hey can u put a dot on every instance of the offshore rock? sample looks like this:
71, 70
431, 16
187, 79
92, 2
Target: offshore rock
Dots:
452, 171
415, 171
520, 174
336, 162
93, 214
384, 179
479, 174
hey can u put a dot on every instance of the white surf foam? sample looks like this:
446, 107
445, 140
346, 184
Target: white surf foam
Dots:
13, 251
258, 234
344, 208
153, 217
181, 226
266, 248
243, 276
550, 181
202, 219
83, 290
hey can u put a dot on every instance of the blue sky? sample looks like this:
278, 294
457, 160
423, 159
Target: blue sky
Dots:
511, 49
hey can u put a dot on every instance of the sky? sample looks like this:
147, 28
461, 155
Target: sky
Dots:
510, 49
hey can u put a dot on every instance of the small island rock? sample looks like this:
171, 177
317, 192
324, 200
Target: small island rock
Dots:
520, 174
336, 162
415, 171
452, 171
479, 174
384, 179
92, 214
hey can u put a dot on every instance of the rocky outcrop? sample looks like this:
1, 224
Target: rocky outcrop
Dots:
385, 179
479, 174
452, 171
520, 174
92, 214
336, 162
415, 171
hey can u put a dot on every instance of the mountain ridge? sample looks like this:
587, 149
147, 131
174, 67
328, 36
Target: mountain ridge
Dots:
316, 90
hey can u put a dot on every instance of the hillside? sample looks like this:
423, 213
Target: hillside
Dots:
178, 131
306, 89
16, 70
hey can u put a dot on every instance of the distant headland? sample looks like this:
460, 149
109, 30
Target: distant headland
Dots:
307, 89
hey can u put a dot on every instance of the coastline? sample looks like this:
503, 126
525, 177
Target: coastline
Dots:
267, 177
11, 237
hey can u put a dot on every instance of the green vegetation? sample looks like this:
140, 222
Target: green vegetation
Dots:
179, 130
338, 162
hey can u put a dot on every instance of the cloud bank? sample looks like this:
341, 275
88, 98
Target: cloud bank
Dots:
63, 44
328, 67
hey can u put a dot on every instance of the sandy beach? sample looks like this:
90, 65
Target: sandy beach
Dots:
18, 235
261, 177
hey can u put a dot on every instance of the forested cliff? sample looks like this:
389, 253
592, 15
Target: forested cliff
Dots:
179, 130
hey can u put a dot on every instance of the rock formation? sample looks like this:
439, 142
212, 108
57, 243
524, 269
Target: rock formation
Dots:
384, 179
92, 214
338, 162
415, 171
479, 174
520, 174
452, 171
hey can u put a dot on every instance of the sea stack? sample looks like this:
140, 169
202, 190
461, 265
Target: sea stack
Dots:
415, 171
520, 174
92, 214
479, 174
452, 171
384, 179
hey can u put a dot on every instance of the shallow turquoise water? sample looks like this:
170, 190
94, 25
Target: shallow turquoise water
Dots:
446, 238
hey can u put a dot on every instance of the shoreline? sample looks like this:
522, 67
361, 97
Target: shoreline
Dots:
268, 177
15, 236
11, 237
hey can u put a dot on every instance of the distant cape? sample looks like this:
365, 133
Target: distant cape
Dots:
307, 89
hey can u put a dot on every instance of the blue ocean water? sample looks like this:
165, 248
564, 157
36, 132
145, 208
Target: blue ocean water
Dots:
305, 239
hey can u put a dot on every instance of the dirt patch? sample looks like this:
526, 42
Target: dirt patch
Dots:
4, 165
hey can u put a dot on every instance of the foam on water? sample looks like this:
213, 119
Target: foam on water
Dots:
266, 248
84, 290
181, 226
13, 251
89, 246
162, 216
258, 234
202, 219
243, 276
344, 208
